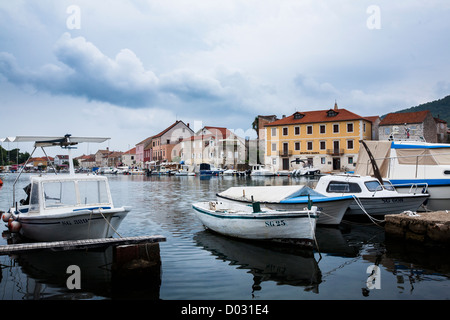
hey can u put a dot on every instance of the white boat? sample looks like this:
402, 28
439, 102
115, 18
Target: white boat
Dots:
293, 197
411, 165
370, 197
184, 171
256, 223
230, 172
260, 170
64, 207
107, 170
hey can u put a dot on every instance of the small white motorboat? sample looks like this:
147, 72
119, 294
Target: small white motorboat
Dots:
254, 222
67, 206
370, 196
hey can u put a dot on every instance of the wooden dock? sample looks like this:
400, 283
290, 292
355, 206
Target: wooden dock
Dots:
79, 244
422, 227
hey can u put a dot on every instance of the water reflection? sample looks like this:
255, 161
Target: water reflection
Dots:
44, 276
286, 265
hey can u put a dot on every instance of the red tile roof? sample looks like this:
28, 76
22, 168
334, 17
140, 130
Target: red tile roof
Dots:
405, 117
317, 116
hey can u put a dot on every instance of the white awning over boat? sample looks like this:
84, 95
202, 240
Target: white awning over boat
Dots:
46, 141
267, 193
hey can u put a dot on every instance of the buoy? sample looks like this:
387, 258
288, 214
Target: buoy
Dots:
15, 226
1, 182
6, 216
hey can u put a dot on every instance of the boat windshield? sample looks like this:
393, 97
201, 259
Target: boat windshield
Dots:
63, 193
376, 186
59, 194
93, 192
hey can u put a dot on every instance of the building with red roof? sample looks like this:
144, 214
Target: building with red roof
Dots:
326, 139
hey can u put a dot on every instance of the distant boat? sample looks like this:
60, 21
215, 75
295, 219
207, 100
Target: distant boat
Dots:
260, 170
64, 207
294, 197
257, 223
209, 169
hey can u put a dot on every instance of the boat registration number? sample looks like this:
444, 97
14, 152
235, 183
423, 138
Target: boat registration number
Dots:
76, 221
275, 223
392, 200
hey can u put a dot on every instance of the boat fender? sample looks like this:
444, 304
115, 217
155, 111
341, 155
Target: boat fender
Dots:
212, 205
14, 226
6, 216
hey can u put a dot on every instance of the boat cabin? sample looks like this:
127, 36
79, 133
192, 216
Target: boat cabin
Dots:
351, 184
54, 194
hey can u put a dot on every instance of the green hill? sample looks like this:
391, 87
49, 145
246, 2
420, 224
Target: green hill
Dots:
439, 108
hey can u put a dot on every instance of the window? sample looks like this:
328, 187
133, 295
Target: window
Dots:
274, 147
350, 160
298, 115
93, 192
323, 145
332, 113
322, 160
297, 131
309, 145
350, 127
34, 197
343, 187
309, 129
364, 127
274, 132
322, 128
285, 131
350, 144
59, 194
336, 128
297, 146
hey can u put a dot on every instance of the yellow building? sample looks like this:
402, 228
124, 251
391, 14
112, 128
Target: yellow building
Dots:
326, 139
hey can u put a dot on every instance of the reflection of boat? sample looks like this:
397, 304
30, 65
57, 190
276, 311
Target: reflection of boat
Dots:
65, 207
294, 197
283, 265
47, 277
253, 222
411, 165
370, 196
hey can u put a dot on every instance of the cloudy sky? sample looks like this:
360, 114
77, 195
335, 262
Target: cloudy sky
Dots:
128, 69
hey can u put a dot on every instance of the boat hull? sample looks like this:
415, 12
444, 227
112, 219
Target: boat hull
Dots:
439, 192
270, 225
76, 225
332, 210
386, 205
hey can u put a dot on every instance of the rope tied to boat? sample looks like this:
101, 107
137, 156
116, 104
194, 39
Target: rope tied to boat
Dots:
109, 224
374, 220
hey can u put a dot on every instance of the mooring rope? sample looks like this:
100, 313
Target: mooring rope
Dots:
100, 211
374, 220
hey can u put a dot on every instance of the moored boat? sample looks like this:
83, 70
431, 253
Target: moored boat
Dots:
410, 164
254, 222
64, 207
294, 197
370, 196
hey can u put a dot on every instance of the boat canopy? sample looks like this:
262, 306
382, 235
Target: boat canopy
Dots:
406, 154
268, 193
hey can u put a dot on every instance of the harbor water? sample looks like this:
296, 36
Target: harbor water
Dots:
353, 261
